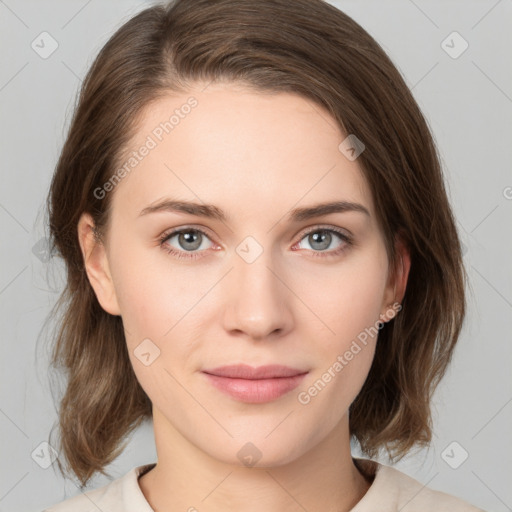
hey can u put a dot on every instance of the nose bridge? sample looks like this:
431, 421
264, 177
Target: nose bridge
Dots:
258, 302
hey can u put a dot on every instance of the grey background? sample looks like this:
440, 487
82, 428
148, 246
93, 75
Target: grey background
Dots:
468, 103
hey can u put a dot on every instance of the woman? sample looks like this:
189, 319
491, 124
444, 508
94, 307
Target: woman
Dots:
261, 258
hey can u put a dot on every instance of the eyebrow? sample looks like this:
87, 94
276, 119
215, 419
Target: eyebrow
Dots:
214, 212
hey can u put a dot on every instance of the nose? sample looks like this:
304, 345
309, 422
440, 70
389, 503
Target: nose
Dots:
258, 302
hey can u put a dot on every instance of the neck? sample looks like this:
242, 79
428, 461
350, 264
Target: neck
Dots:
187, 478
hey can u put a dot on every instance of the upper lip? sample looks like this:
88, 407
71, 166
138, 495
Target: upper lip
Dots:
243, 371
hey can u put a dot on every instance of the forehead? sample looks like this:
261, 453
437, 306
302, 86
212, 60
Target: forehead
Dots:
243, 149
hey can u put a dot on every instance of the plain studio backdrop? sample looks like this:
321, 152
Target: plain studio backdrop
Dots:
456, 58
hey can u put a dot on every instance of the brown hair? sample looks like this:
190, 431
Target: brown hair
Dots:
302, 46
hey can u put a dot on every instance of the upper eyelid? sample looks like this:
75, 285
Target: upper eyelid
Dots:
327, 227
175, 231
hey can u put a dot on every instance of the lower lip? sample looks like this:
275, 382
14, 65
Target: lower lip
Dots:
255, 391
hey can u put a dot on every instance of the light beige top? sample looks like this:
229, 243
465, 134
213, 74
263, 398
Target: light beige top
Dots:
390, 491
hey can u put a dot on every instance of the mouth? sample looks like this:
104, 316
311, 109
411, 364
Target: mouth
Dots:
255, 385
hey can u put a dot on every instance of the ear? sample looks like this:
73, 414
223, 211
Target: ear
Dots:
397, 281
96, 265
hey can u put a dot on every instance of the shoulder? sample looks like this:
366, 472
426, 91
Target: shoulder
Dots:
120, 495
393, 490
415, 496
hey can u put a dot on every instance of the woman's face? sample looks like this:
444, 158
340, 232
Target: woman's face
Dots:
252, 279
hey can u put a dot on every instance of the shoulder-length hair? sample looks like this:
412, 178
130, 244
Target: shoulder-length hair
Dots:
306, 47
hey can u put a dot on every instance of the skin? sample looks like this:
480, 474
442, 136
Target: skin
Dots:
256, 156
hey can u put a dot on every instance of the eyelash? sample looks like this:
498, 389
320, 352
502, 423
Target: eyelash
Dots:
194, 255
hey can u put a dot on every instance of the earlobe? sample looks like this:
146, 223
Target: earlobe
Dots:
97, 265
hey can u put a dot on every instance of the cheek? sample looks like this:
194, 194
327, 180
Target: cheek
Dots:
344, 357
349, 308
159, 302
153, 293
348, 300
157, 329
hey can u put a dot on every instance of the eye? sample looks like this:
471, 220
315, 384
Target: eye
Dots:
189, 240
321, 238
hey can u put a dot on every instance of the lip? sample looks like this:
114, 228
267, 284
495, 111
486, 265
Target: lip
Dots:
244, 371
255, 385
